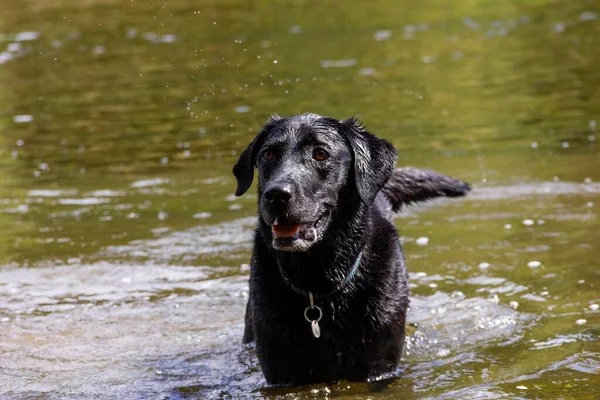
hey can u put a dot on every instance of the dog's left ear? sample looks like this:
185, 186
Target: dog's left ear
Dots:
244, 167
374, 159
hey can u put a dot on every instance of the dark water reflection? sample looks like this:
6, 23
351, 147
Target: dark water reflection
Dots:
124, 254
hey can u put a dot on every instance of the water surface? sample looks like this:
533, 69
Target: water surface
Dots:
123, 252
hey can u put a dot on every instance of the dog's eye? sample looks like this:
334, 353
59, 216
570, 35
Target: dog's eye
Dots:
268, 155
320, 155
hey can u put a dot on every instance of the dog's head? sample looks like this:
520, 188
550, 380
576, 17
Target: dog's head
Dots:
304, 163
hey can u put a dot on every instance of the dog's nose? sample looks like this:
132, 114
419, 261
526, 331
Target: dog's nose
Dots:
280, 193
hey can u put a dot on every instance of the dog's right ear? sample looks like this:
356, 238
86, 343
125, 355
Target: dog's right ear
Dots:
244, 167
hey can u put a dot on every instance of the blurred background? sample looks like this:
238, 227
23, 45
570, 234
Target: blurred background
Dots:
123, 252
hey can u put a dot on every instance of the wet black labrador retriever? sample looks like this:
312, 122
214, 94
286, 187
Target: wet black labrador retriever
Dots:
328, 282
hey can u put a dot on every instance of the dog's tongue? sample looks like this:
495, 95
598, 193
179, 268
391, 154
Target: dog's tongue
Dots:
285, 229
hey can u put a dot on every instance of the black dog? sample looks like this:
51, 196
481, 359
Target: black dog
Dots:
328, 282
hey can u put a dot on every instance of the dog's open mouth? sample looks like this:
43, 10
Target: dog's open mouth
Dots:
286, 231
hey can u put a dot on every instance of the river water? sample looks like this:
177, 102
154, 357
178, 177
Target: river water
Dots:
123, 252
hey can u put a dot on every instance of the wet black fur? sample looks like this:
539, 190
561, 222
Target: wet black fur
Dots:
363, 323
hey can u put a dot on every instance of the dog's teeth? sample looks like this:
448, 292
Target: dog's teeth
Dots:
309, 234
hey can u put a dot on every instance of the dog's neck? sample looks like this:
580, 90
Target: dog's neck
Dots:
332, 260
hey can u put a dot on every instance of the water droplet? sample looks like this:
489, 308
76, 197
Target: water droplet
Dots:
339, 63
22, 118
382, 35
202, 215
587, 16
513, 304
13, 47
521, 387
565, 145
242, 109
409, 31
558, 28
169, 38
5, 56
528, 222
367, 71
131, 33
594, 307
422, 241
149, 182
26, 36
534, 264
484, 265
99, 50
150, 36
534, 145
581, 321
443, 352
507, 226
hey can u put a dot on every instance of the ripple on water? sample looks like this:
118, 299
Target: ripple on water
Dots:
339, 63
229, 236
50, 193
149, 182
176, 330
452, 323
121, 321
561, 340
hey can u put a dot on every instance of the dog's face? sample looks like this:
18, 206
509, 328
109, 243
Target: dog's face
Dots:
303, 163
302, 168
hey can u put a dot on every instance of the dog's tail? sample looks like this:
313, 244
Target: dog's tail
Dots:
409, 185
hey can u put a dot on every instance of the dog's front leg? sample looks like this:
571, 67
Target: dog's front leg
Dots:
249, 324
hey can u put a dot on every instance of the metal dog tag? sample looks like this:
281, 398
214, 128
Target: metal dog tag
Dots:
314, 323
316, 329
